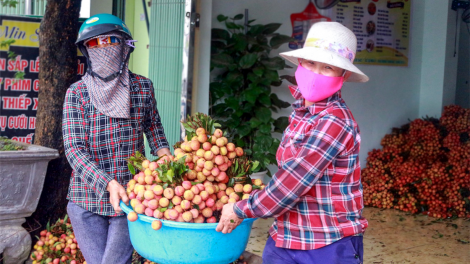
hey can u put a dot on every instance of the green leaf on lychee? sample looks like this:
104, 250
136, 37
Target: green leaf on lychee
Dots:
255, 187
163, 209
170, 174
196, 207
131, 168
48, 226
231, 221
170, 205
231, 182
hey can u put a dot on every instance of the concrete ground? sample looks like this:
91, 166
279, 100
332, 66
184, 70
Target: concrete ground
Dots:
395, 237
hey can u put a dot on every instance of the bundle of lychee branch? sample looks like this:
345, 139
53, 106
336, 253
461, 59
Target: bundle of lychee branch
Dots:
195, 185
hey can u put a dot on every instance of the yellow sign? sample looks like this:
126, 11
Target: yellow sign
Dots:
25, 34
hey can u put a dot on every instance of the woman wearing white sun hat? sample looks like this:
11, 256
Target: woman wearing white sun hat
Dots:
316, 195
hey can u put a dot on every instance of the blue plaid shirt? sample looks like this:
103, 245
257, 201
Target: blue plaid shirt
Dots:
96, 145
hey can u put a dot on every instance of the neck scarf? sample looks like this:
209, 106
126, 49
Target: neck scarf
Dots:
111, 98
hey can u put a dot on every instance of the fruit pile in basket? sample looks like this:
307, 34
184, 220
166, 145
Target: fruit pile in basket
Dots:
208, 155
207, 172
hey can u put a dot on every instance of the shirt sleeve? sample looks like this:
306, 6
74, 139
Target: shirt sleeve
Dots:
153, 127
76, 149
294, 179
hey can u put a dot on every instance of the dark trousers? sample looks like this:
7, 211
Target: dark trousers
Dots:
348, 250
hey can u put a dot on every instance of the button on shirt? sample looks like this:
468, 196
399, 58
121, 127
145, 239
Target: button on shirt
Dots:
96, 145
316, 195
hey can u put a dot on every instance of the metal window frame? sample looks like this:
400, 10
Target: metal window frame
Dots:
119, 7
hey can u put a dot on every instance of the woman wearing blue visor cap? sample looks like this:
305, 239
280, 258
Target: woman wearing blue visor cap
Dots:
105, 116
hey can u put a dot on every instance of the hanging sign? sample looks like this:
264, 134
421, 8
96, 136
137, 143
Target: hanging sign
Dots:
381, 27
301, 23
19, 96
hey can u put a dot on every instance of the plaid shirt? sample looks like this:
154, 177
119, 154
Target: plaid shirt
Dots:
316, 195
96, 145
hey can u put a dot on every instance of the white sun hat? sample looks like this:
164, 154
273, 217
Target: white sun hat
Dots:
331, 43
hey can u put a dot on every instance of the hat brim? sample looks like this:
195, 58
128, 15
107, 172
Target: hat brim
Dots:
325, 56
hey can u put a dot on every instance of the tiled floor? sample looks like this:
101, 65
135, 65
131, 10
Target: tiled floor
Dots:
395, 237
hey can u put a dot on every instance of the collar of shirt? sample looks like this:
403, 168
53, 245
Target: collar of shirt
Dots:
299, 104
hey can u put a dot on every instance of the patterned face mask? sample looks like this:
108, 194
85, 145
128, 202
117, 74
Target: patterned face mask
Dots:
108, 81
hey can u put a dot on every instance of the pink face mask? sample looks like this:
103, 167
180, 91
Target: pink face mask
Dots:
316, 87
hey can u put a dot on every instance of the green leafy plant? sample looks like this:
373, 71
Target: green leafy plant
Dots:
9, 3
242, 166
241, 170
8, 145
240, 95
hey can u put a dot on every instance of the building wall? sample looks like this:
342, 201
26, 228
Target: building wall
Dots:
140, 56
101, 6
202, 61
462, 93
439, 66
394, 94
451, 59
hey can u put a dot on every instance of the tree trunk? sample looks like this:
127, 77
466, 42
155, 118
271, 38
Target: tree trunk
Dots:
58, 70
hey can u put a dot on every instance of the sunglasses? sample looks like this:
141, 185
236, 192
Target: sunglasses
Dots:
103, 42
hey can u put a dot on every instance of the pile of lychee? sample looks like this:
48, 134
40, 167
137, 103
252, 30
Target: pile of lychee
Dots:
57, 244
208, 158
205, 188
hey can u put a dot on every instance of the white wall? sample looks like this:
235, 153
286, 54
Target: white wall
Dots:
85, 9
389, 99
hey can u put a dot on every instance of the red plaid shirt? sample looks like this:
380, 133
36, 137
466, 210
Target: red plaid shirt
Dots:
316, 195
96, 145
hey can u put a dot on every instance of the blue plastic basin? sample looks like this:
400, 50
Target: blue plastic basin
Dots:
186, 243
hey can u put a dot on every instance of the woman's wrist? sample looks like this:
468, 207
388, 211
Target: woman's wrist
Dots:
164, 151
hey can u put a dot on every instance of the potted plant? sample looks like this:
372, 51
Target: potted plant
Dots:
241, 96
22, 173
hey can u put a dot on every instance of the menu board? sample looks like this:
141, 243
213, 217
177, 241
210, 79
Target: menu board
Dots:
19, 96
381, 27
